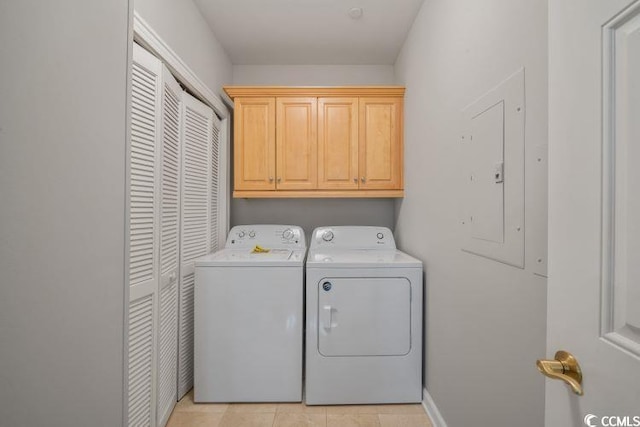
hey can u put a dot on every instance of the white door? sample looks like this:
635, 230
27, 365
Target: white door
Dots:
143, 237
199, 198
364, 316
594, 208
167, 369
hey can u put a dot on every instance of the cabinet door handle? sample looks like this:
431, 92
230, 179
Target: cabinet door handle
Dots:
270, 179
363, 179
279, 179
355, 180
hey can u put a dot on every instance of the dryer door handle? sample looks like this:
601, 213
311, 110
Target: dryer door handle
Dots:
325, 317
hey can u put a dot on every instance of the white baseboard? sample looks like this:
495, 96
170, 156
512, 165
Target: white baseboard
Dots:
432, 410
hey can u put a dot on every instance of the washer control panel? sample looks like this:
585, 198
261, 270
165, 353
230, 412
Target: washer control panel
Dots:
353, 237
267, 236
327, 235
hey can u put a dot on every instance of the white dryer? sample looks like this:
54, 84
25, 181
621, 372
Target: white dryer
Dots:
248, 317
364, 319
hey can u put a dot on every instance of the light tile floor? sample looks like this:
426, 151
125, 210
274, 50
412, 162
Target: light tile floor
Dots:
190, 414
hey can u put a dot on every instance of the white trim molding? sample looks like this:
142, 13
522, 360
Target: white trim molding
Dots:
618, 325
144, 35
432, 410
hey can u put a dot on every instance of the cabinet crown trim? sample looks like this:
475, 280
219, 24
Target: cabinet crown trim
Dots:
249, 91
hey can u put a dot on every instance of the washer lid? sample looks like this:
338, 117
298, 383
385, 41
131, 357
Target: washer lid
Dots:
247, 258
361, 258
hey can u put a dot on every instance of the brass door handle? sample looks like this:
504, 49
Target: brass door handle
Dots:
564, 367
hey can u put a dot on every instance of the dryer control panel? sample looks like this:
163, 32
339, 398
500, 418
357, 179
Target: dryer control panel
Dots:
268, 236
353, 237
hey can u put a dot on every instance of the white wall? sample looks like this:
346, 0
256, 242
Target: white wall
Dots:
181, 25
312, 75
63, 137
485, 321
63, 97
311, 213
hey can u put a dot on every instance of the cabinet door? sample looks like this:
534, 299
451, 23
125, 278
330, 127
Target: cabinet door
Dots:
338, 143
380, 143
255, 133
297, 144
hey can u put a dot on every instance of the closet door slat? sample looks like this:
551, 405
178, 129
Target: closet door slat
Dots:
214, 191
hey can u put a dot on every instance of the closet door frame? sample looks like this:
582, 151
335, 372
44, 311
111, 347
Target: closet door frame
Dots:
147, 37
144, 35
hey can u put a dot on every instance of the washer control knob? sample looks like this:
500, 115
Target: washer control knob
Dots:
327, 236
252, 234
288, 234
241, 234
380, 236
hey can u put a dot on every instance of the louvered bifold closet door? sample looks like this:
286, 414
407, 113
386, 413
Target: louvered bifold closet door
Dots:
169, 234
214, 211
143, 237
195, 236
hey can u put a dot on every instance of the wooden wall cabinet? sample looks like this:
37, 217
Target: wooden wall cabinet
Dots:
380, 146
338, 144
296, 143
254, 146
318, 141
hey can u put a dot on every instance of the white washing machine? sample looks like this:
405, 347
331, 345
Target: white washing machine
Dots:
364, 319
249, 316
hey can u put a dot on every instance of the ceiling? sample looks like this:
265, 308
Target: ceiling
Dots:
310, 32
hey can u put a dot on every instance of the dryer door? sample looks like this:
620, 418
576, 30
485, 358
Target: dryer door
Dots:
364, 316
